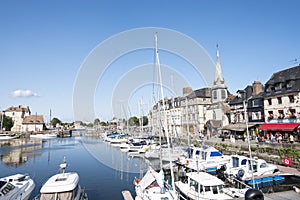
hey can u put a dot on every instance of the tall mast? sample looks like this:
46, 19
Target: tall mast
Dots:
165, 125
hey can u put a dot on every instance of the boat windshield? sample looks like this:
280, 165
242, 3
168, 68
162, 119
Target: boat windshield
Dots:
56, 196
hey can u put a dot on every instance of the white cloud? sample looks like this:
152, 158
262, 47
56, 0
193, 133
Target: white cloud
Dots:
24, 93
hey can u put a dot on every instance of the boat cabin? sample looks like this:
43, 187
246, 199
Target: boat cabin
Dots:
61, 186
200, 185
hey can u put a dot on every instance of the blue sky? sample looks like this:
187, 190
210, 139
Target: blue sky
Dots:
44, 44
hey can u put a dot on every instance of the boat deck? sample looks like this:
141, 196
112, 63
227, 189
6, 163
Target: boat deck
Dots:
127, 195
286, 195
288, 171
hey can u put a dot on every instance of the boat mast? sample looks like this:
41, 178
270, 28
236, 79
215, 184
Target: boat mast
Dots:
165, 125
249, 145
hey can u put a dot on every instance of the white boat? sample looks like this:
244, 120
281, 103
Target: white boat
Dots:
254, 172
8, 136
62, 186
152, 186
44, 135
116, 141
205, 158
165, 154
18, 186
201, 185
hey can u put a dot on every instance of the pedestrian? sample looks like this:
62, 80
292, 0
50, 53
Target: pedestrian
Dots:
279, 138
291, 138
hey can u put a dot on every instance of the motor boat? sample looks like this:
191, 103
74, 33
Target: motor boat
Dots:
252, 171
18, 186
8, 136
201, 185
64, 185
205, 158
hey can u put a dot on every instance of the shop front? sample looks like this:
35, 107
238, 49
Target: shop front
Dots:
281, 132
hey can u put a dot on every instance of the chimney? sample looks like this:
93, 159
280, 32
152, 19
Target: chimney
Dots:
257, 88
186, 91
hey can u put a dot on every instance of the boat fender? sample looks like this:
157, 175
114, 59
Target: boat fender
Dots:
241, 173
223, 168
254, 194
136, 181
187, 163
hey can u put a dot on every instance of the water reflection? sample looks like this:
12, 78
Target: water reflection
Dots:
17, 151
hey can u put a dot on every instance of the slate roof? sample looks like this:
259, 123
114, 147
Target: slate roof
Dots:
288, 78
203, 92
284, 75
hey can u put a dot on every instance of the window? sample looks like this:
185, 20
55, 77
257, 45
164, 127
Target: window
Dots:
270, 102
268, 89
279, 100
292, 99
215, 94
215, 189
223, 94
207, 188
256, 115
278, 87
289, 85
255, 103
271, 116
281, 114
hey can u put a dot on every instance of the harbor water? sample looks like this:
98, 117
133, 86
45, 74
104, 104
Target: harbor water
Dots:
104, 170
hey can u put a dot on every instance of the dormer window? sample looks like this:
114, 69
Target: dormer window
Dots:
278, 87
268, 89
289, 84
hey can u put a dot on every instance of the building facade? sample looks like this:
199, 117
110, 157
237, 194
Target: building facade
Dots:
17, 114
282, 97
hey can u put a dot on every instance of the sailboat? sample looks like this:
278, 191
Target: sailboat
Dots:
153, 184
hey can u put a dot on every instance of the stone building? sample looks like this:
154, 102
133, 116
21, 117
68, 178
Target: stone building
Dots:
17, 113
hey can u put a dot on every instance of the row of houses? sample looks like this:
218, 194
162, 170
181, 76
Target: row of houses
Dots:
212, 111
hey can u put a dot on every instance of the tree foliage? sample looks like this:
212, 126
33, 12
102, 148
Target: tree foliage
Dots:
133, 121
55, 121
103, 123
96, 121
7, 123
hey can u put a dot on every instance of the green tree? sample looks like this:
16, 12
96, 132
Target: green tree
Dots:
55, 121
103, 124
7, 123
133, 121
97, 121
145, 120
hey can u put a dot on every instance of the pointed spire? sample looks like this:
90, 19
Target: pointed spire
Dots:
218, 77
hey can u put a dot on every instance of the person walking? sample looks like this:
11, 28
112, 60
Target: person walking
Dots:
291, 138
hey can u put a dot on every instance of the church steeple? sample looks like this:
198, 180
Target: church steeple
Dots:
219, 89
218, 77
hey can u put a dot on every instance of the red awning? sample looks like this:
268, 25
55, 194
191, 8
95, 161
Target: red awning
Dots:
279, 127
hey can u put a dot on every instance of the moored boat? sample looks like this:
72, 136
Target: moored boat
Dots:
201, 185
8, 136
18, 186
64, 185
